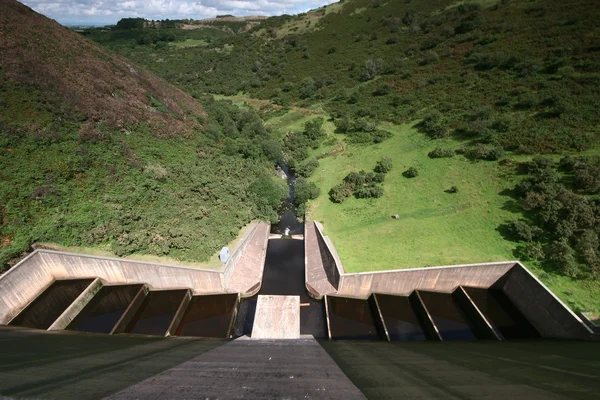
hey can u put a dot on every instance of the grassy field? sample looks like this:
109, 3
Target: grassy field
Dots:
435, 228
104, 251
189, 43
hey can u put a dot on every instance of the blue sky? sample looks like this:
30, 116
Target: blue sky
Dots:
104, 12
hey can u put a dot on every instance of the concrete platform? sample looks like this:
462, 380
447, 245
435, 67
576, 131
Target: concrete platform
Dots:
277, 317
251, 369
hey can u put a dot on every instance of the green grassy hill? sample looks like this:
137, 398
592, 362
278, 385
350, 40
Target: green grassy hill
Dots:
96, 151
488, 86
493, 103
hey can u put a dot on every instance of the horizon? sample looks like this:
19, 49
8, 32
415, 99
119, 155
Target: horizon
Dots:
98, 13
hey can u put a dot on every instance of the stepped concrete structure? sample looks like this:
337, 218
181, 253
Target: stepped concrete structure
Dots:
251, 331
325, 276
241, 274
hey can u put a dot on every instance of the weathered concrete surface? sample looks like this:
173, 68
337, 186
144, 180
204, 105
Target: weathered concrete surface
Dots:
71, 365
322, 266
523, 370
119, 271
277, 317
20, 285
550, 316
246, 275
251, 369
440, 279
46, 308
73, 310
243, 273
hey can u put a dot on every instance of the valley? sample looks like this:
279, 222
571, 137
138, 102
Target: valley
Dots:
491, 106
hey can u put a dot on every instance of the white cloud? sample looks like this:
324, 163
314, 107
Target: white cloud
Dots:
109, 12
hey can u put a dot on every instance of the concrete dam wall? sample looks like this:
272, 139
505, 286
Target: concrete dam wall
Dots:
22, 283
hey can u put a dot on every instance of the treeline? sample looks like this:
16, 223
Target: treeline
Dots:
562, 215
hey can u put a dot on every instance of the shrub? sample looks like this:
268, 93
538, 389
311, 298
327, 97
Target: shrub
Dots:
383, 89
307, 167
453, 189
439, 152
563, 258
433, 126
371, 69
392, 39
343, 124
355, 180
372, 191
384, 165
411, 173
339, 193
305, 191
430, 57
523, 231
380, 135
481, 152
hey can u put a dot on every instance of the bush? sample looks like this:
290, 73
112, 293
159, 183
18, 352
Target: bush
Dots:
411, 173
307, 167
481, 152
372, 191
430, 57
384, 165
392, 39
380, 135
371, 69
305, 191
339, 193
433, 126
439, 152
520, 230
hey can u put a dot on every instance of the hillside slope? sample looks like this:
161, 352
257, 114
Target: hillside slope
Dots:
488, 111
96, 152
84, 79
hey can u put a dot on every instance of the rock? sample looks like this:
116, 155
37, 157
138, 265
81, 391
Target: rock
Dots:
396, 216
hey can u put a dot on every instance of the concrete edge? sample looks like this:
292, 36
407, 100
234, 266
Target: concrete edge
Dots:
327, 316
475, 314
330, 248
29, 303
253, 290
387, 271
76, 306
380, 314
65, 253
575, 316
23, 261
178, 317
428, 325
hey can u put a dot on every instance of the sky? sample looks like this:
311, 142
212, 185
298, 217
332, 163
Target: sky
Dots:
107, 12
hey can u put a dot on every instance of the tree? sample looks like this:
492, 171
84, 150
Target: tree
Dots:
307, 167
563, 257
411, 173
343, 124
130, 23
384, 165
305, 191
339, 193
523, 231
371, 69
314, 130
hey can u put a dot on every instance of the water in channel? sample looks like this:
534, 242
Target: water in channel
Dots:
284, 273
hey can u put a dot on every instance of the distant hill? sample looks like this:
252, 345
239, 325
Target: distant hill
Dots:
84, 80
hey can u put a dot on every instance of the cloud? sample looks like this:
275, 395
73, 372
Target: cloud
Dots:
109, 12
